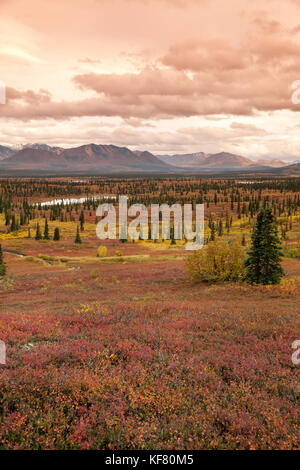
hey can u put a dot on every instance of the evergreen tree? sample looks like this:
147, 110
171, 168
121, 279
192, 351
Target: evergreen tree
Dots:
56, 236
2, 264
81, 220
173, 241
77, 239
38, 235
227, 223
13, 226
46, 231
220, 228
212, 231
243, 240
239, 210
263, 262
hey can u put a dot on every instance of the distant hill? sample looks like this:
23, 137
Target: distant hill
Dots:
29, 158
5, 152
83, 158
187, 160
290, 170
226, 160
201, 160
38, 146
220, 161
274, 163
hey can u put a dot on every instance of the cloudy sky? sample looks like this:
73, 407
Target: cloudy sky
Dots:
168, 76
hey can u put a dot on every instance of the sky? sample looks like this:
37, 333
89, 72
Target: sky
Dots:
167, 76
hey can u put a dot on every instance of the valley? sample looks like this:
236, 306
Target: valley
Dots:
112, 345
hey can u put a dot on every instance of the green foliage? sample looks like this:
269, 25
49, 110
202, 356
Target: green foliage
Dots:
2, 264
212, 231
290, 252
77, 238
264, 257
81, 220
216, 262
38, 235
14, 225
220, 228
46, 231
56, 235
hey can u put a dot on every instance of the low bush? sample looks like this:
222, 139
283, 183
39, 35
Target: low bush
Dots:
217, 262
290, 252
102, 251
286, 288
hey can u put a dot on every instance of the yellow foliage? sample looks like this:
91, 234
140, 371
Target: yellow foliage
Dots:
216, 262
14, 235
286, 288
102, 251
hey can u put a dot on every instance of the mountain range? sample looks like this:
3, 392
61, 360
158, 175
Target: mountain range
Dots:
110, 158
221, 160
107, 158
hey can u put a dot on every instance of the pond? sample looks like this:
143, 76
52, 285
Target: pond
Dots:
74, 200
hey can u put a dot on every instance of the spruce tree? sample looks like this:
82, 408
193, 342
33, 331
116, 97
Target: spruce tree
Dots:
38, 235
81, 220
2, 264
212, 231
77, 239
264, 257
13, 226
56, 236
46, 231
220, 228
173, 241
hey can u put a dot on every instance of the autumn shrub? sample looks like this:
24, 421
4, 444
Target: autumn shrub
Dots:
217, 262
286, 288
94, 273
290, 252
289, 286
102, 251
118, 253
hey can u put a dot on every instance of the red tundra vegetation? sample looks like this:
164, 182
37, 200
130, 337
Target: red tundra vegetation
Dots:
114, 352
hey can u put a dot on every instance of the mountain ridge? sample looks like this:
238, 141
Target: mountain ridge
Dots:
201, 160
5, 152
112, 158
84, 157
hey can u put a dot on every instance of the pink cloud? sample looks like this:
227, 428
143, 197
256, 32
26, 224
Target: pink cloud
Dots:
158, 59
